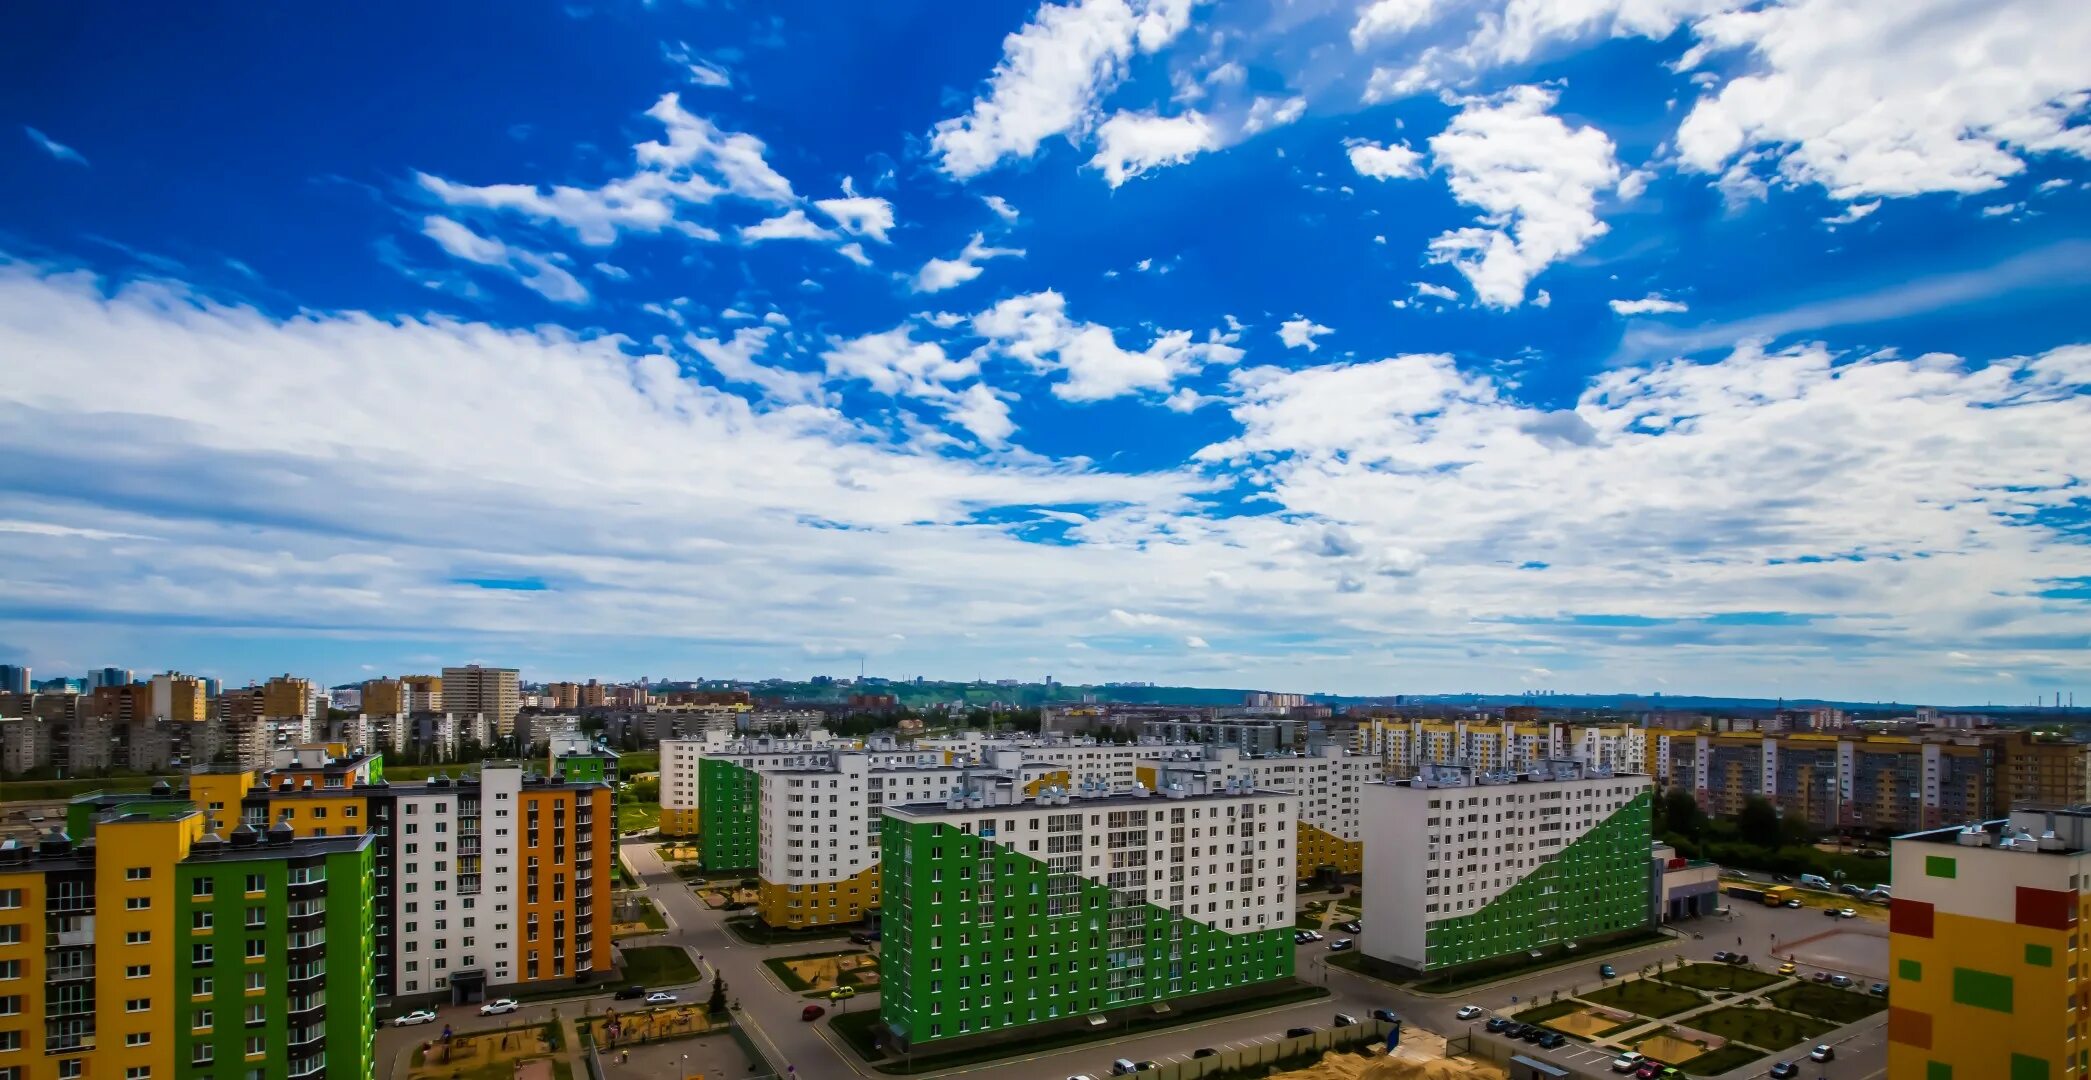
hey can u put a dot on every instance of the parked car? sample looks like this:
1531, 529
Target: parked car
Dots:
1468, 1012
1298, 1032
1830, 911
660, 997
1605, 971
1794, 904
1552, 1039
1627, 1062
842, 992
1301, 938
1498, 1024
1878, 989
859, 937
1783, 1070
1341, 945
1840, 981
1388, 1015
629, 993
1346, 1020
1788, 968
418, 1016
1851, 890
1823, 1052
1352, 927
812, 1012
1143, 1066
1205, 1052
496, 1007
1721, 956
1847, 913
1124, 1067
1313, 935
1742, 959
1822, 976
1649, 1070
1532, 1033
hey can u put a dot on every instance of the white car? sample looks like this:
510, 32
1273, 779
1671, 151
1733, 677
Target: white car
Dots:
1313, 935
495, 1008
660, 997
1627, 1062
1847, 913
1468, 1012
418, 1016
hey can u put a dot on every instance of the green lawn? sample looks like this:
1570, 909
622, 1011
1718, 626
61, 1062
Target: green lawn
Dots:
1731, 1056
657, 965
633, 814
51, 790
1770, 1029
630, 762
1720, 977
1646, 997
856, 1028
1839, 1007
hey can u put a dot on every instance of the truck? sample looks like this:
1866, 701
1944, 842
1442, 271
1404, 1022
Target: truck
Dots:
1745, 891
1776, 895
1816, 881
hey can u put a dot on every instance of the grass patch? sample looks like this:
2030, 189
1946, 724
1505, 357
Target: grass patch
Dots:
1646, 997
750, 929
1839, 1007
1742, 980
657, 965
634, 814
1770, 1029
1731, 1056
1307, 922
1540, 1014
1516, 964
52, 790
858, 1028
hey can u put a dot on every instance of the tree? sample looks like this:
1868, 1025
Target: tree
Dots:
717, 1004
1680, 812
1759, 822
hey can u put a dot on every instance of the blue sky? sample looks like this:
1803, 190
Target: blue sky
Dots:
1361, 346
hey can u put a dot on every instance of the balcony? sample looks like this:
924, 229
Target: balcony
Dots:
75, 973
65, 939
68, 904
315, 1065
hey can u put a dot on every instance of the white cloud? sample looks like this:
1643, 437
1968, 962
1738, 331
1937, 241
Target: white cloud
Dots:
1633, 184
1652, 304
1138, 619
1000, 206
858, 215
705, 73
536, 272
895, 364
2002, 209
937, 275
53, 147
1525, 27
1891, 98
1266, 113
613, 271
854, 252
735, 313
1129, 144
1036, 330
792, 224
1534, 179
1389, 18
1052, 74
1439, 292
1852, 212
1193, 641
777, 318
735, 360
699, 163
1299, 333
1396, 162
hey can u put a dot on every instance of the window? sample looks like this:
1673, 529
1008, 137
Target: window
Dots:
137, 873
256, 1047
137, 1038
138, 1072
10, 898
257, 948
257, 916
11, 933
257, 1014
11, 1005
200, 1019
202, 886
137, 1005
200, 986
257, 883
202, 953
257, 980
137, 937
10, 1040
202, 1054
134, 971
137, 903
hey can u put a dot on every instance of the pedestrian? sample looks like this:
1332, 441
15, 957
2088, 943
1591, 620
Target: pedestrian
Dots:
624, 1057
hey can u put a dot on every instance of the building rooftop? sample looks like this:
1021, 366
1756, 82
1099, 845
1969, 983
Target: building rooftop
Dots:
1156, 799
2047, 830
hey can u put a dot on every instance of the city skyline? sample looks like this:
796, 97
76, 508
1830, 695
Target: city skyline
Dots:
1362, 348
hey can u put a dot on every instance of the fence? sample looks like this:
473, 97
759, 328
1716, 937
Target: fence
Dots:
1272, 1051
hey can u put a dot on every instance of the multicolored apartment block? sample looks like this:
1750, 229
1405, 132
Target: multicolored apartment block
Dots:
140, 943
1061, 909
1989, 978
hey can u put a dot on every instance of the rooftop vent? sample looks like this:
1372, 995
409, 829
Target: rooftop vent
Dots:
245, 836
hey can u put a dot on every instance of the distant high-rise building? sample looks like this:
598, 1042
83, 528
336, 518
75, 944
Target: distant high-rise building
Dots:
424, 693
384, 697
14, 679
285, 695
179, 697
486, 690
108, 676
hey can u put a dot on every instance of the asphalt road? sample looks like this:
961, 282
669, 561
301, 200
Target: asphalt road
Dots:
770, 1013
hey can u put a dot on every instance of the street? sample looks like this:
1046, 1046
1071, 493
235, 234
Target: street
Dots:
770, 1013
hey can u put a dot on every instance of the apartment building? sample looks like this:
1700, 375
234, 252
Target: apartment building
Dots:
1405, 745
1466, 866
178, 697
495, 878
487, 691
1068, 907
141, 944
1988, 977
1330, 783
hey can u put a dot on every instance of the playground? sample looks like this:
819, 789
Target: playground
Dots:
486, 1055
614, 1029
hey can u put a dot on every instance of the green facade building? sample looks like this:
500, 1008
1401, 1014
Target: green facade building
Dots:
729, 798
996, 920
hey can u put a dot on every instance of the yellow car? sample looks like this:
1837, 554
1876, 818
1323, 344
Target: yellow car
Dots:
841, 992
1787, 969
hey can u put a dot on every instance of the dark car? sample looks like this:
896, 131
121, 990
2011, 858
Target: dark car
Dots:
1722, 956
1532, 1033
1604, 971
1144, 1066
1740, 958
1298, 1032
1822, 976
1783, 1070
1205, 1051
1353, 927
630, 993
1388, 1015
1551, 1040
1499, 1024
859, 937
812, 1012
1851, 890
1346, 1020
1878, 989
1830, 911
